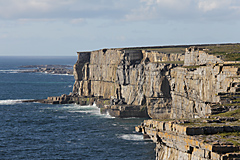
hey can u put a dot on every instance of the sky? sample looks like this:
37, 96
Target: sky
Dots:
63, 27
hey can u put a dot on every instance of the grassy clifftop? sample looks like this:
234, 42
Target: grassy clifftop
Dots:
228, 52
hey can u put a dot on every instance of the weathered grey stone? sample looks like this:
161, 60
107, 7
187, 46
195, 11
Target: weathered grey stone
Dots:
197, 56
172, 143
139, 77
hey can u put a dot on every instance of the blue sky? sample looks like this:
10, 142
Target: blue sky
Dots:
63, 27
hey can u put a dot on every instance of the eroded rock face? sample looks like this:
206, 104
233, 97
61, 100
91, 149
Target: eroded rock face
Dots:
197, 56
156, 80
177, 141
196, 90
134, 77
139, 83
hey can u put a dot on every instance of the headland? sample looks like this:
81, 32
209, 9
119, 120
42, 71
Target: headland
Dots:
183, 89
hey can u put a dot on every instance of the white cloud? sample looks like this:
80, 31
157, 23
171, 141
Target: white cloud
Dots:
12, 8
209, 5
26, 20
77, 11
185, 10
77, 20
153, 9
15, 9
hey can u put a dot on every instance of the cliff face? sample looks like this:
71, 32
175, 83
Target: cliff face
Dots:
140, 83
195, 92
157, 81
127, 77
95, 73
196, 88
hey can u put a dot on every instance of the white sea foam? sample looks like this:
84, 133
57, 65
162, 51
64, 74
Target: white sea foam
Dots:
88, 109
131, 137
132, 118
108, 115
30, 70
11, 101
13, 71
59, 74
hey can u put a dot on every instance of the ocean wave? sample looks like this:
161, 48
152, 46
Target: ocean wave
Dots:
131, 118
31, 71
131, 137
92, 110
58, 74
14, 71
11, 101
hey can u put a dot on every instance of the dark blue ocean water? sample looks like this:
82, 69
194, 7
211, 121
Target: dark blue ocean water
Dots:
44, 131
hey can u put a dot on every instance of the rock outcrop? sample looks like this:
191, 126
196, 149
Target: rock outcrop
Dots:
51, 69
140, 83
167, 85
185, 140
127, 78
160, 82
197, 87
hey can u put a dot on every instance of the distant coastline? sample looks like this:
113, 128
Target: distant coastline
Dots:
50, 69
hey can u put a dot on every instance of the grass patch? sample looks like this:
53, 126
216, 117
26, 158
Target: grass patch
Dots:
230, 104
163, 49
235, 113
236, 100
228, 52
232, 137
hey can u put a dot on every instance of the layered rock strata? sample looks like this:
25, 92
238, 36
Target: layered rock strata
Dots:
128, 78
176, 140
173, 85
142, 83
198, 86
157, 81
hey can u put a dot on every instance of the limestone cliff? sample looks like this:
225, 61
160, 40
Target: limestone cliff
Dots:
199, 140
196, 88
137, 82
127, 77
157, 80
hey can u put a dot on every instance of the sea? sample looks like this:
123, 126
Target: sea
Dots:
46, 131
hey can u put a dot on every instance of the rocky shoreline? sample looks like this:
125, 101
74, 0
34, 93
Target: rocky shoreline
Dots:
50, 69
215, 138
166, 83
106, 105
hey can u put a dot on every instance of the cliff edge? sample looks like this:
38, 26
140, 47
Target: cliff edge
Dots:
166, 85
188, 87
149, 82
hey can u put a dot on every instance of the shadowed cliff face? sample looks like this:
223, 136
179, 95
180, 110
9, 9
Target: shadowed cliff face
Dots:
155, 80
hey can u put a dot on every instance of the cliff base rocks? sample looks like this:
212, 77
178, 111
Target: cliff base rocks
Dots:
215, 138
